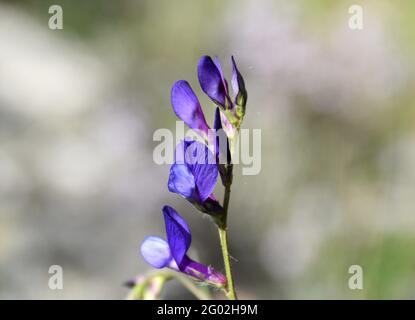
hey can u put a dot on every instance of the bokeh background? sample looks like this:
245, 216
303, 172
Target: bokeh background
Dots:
79, 106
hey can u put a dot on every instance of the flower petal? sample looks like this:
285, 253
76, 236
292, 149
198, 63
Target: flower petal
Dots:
187, 107
195, 172
178, 234
204, 169
217, 123
210, 80
156, 252
180, 151
181, 180
238, 85
217, 64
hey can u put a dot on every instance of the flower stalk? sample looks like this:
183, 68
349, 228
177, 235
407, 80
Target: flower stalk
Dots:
223, 236
193, 175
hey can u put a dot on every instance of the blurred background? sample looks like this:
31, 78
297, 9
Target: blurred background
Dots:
79, 106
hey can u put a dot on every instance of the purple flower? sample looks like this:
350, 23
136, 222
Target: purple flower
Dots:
214, 84
212, 81
187, 106
173, 253
194, 172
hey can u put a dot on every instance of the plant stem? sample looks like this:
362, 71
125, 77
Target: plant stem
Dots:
231, 294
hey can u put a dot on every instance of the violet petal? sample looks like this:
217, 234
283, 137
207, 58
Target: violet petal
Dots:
210, 80
187, 106
156, 252
178, 234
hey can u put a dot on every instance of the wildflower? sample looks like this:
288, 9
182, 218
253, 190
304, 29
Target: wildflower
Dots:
173, 253
194, 174
214, 84
212, 81
187, 107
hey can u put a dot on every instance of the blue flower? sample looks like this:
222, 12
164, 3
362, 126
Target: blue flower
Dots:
194, 173
187, 107
172, 253
214, 84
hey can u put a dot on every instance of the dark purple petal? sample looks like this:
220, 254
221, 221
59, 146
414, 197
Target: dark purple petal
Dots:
178, 234
156, 252
194, 173
217, 123
181, 180
187, 107
225, 83
238, 85
202, 163
180, 151
210, 80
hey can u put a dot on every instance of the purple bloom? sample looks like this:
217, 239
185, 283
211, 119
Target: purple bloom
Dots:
194, 173
173, 253
187, 106
212, 81
214, 84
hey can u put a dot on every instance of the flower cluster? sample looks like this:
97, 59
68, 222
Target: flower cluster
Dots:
197, 166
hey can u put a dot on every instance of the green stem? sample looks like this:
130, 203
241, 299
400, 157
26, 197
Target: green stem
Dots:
231, 294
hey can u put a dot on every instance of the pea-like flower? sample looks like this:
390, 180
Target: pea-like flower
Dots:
194, 174
214, 84
172, 253
187, 107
